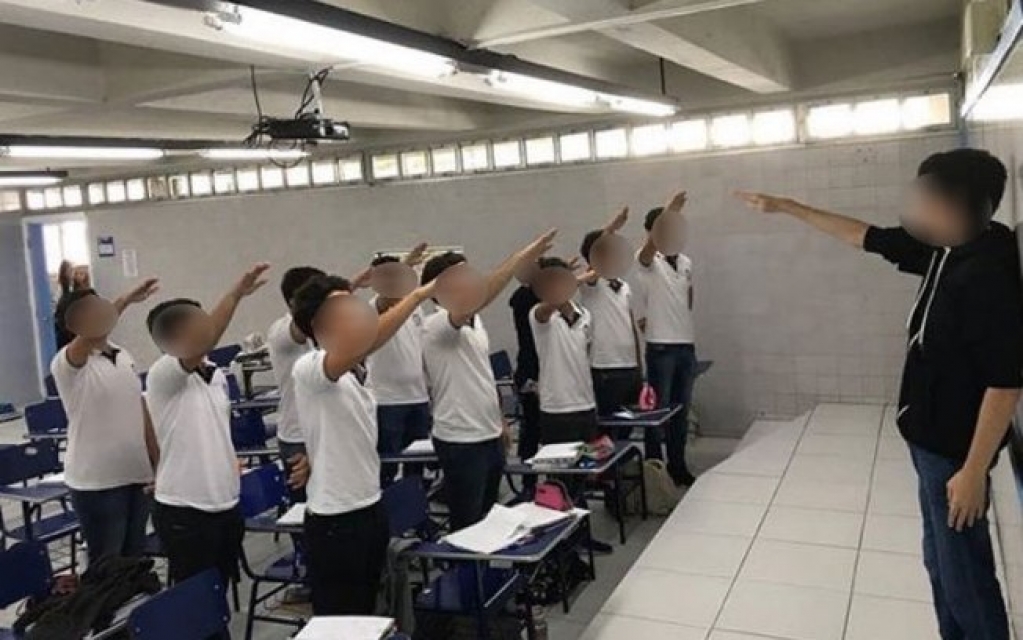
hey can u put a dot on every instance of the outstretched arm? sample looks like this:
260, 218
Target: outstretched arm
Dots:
673, 207
222, 314
502, 275
848, 230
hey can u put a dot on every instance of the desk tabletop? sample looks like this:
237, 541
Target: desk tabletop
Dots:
36, 493
404, 458
642, 419
582, 468
532, 551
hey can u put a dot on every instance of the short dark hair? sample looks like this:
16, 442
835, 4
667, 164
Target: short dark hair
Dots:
589, 240
973, 177
165, 318
552, 262
439, 264
651, 217
66, 302
311, 296
384, 259
294, 278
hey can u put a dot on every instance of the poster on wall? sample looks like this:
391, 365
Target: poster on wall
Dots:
105, 247
130, 263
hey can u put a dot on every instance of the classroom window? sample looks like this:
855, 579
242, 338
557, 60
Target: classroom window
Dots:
876, 117
474, 157
445, 160
10, 201
271, 177
414, 164
180, 186
248, 180
72, 196
136, 189
507, 154
935, 110
202, 184
350, 169
385, 166
687, 135
649, 140
774, 127
324, 172
574, 147
116, 191
223, 182
97, 193
35, 200
731, 130
829, 121
53, 198
298, 175
540, 151
158, 188
611, 143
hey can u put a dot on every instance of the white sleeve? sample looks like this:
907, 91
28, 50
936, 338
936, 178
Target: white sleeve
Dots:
537, 326
309, 373
166, 377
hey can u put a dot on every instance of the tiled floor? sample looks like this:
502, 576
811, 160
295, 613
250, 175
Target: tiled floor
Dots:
809, 531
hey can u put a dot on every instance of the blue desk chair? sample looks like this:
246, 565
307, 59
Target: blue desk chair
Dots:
501, 364
264, 496
51, 386
25, 572
193, 608
46, 417
224, 356
248, 429
30, 461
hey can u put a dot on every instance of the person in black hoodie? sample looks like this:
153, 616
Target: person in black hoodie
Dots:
963, 369
527, 370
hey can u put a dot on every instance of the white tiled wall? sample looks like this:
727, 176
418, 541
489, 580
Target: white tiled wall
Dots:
790, 319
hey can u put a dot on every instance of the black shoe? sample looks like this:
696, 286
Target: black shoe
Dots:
599, 548
685, 479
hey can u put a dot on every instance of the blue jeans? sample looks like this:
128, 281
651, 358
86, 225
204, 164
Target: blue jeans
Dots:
472, 478
113, 520
399, 425
671, 370
961, 566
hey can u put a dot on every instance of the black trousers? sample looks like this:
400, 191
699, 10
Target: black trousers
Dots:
196, 540
529, 433
472, 478
346, 555
616, 389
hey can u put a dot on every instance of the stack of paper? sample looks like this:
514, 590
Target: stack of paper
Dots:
420, 447
294, 516
624, 414
504, 527
557, 455
537, 517
346, 628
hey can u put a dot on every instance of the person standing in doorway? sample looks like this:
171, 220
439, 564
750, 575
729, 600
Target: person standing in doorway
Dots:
666, 277
963, 368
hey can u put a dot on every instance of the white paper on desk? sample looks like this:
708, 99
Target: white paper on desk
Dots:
420, 447
346, 628
557, 455
624, 414
501, 528
294, 516
57, 478
537, 517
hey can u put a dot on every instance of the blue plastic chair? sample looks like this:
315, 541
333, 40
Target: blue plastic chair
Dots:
193, 608
46, 417
51, 386
501, 363
408, 508
25, 572
224, 356
248, 430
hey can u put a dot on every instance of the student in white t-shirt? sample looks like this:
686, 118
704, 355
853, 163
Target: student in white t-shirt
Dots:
346, 530
469, 433
107, 465
666, 276
286, 344
397, 375
196, 511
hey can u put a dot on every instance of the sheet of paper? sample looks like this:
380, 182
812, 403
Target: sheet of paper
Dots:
624, 414
346, 627
420, 447
537, 517
501, 528
295, 515
564, 454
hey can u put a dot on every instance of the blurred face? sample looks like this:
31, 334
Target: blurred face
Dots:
393, 280
555, 285
461, 289
80, 276
611, 256
92, 318
669, 233
347, 319
191, 335
933, 217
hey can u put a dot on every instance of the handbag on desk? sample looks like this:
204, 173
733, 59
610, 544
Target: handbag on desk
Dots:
553, 495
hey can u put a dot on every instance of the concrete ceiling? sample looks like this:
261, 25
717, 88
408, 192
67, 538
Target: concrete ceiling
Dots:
137, 69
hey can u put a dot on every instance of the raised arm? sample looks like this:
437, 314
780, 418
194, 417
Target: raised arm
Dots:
79, 348
138, 294
848, 230
502, 275
543, 312
223, 313
673, 207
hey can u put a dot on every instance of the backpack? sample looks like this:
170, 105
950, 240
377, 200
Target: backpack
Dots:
661, 493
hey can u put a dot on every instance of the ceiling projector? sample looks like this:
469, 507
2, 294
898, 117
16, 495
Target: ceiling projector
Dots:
308, 128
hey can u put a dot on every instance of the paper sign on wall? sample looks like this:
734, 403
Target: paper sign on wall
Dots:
105, 246
130, 262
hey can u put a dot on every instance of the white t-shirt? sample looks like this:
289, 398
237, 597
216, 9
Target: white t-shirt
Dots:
614, 342
192, 420
462, 385
284, 351
106, 445
565, 384
340, 421
396, 373
669, 320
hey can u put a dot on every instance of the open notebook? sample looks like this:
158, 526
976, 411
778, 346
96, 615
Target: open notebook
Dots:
507, 526
557, 455
346, 628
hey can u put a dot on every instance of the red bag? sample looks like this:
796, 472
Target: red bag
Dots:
553, 495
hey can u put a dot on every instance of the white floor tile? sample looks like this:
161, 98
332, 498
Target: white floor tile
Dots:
884, 619
892, 575
850, 447
894, 475
756, 462
846, 419
895, 534
821, 495
695, 553
894, 502
616, 627
832, 469
717, 518
731, 635
812, 526
804, 565
784, 611
669, 597
725, 487
893, 449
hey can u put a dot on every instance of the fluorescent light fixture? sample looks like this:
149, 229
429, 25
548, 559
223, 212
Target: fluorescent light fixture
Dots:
15, 180
542, 90
639, 106
253, 154
81, 153
329, 45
